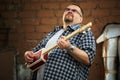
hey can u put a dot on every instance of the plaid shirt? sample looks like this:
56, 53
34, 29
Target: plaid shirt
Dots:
60, 64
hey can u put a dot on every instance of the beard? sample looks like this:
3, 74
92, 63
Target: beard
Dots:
68, 18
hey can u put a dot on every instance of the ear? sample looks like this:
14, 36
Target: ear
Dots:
81, 19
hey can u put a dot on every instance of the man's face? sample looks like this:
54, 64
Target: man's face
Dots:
72, 14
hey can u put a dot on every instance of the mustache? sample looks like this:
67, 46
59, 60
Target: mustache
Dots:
69, 13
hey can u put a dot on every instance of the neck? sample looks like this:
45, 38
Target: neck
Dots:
65, 25
68, 24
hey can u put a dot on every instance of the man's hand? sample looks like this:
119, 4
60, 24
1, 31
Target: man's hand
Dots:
63, 44
29, 56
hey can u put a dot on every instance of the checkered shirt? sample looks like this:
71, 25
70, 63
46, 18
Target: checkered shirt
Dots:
60, 64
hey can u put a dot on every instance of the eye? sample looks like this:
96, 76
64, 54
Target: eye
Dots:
74, 10
67, 9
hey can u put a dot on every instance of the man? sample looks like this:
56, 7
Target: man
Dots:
71, 60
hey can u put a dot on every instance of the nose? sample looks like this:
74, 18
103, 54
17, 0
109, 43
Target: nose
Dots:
70, 12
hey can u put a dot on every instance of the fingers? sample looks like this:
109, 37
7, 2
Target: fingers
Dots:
62, 43
62, 37
29, 56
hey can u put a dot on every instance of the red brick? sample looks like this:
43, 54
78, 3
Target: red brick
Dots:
27, 14
20, 29
33, 36
2, 7
2, 44
32, 6
4, 30
63, 6
88, 19
100, 13
31, 43
3, 36
44, 28
50, 6
60, 21
59, 13
13, 37
13, 30
12, 22
25, 1
115, 12
25, 29
89, 5
35, 1
87, 13
10, 14
20, 36
20, 43
112, 19
118, 5
30, 21
6, 1
16, 40
45, 13
29, 28
107, 4
49, 21
12, 44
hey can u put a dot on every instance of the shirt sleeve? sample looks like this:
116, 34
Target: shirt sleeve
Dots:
39, 46
88, 44
42, 43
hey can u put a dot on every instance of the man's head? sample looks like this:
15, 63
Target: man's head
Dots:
72, 15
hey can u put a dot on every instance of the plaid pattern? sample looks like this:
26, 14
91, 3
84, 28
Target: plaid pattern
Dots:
60, 64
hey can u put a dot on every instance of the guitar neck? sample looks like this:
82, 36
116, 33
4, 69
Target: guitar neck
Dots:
47, 50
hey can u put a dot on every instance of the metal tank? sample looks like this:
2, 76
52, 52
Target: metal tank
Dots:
110, 57
111, 51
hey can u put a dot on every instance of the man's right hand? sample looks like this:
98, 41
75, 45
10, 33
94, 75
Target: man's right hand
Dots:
29, 56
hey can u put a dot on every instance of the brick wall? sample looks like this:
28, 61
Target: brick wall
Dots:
29, 21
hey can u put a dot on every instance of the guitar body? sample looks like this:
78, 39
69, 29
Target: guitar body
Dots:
38, 56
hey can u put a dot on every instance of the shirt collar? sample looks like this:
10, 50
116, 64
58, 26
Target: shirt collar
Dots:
71, 27
74, 27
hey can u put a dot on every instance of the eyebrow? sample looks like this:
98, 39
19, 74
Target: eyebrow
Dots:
73, 11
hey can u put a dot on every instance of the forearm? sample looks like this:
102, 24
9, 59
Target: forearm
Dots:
77, 53
80, 55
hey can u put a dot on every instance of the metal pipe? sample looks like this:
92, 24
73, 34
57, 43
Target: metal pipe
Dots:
109, 58
119, 58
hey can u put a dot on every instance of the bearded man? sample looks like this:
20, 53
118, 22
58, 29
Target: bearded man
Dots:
72, 59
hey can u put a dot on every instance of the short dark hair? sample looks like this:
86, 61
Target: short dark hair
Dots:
79, 7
